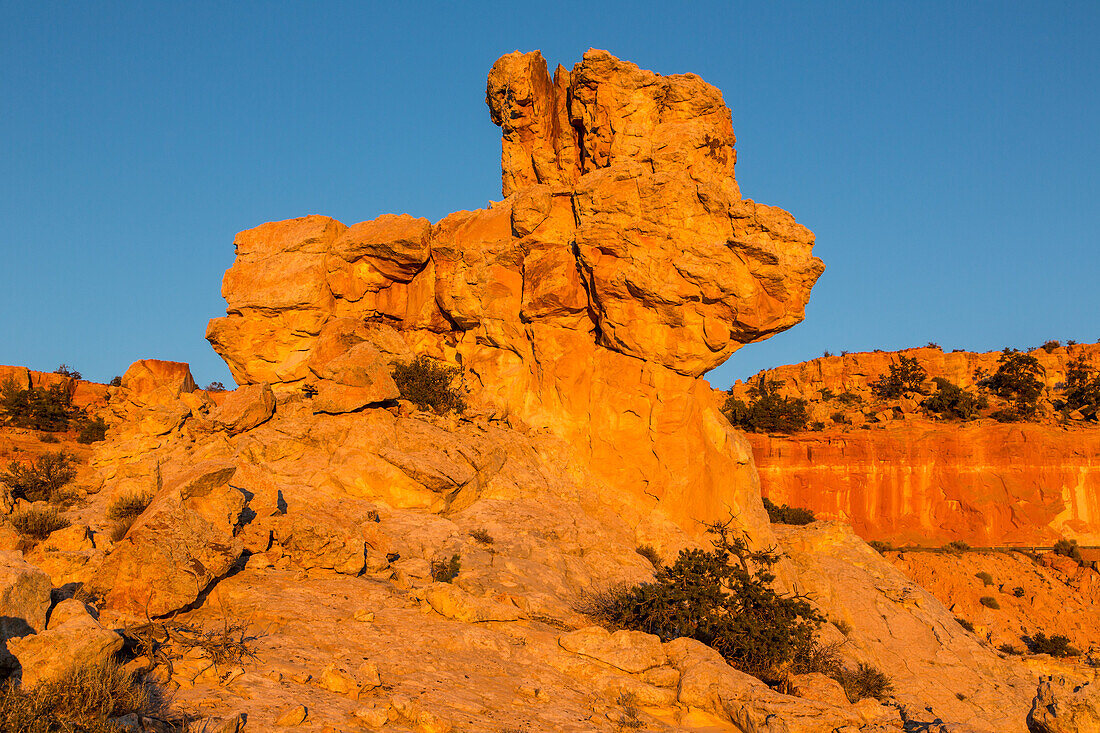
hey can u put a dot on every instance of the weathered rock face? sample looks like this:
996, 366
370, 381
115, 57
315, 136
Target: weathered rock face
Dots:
622, 265
912, 479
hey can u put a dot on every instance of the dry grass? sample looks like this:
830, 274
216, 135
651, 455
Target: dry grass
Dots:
129, 506
480, 535
37, 523
83, 700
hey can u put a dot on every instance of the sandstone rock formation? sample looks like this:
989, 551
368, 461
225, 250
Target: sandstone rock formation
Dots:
622, 265
910, 479
316, 513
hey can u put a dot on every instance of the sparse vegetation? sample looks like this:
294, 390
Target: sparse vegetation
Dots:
1055, 646
989, 602
956, 547
952, 401
630, 719
125, 510
881, 547
49, 409
965, 624
905, 375
42, 479
65, 371
1051, 345
786, 514
1016, 380
429, 384
83, 700
215, 387
649, 553
444, 571
1082, 388
1067, 548
767, 410
480, 535
985, 577
722, 597
1009, 649
116, 381
865, 681
850, 399
1018, 592
37, 523
92, 431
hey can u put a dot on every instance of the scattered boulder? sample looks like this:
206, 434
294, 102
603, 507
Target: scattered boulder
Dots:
1061, 706
77, 642
244, 408
24, 600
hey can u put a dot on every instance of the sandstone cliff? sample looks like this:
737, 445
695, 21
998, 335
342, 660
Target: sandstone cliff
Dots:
897, 475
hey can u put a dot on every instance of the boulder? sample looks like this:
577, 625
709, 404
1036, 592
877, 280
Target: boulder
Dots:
79, 642
24, 600
152, 380
244, 408
630, 651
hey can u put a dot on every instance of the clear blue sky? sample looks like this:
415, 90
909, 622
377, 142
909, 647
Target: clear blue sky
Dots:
946, 154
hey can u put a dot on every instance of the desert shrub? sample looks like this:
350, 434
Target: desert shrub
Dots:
989, 602
1018, 592
1067, 548
985, 577
722, 597
851, 399
905, 375
1051, 345
480, 535
649, 553
965, 624
373, 516
767, 410
1016, 380
65, 371
1055, 646
49, 409
817, 426
865, 681
826, 394
952, 401
116, 381
956, 547
129, 506
1082, 387
841, 418
92, 431
215, 387
842, 626
49, 438
37, 523
1009, 649
40, 480
84, 699
429, 384
786, 514
631, 718
444, 571
881, 547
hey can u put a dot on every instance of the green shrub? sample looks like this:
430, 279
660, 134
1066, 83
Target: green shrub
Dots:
952, 401
49, 409
865, 681
850, 399
1082, 387
722, 597
786, 514
429, 384
1016, 380
906, 375
92, 431
767, 411
40, 480
985, 577
1067, 548
37, 523
1055, 646
989, 602
965, 624
84, 699
116, 381
1009, 649
444, 571
649, 553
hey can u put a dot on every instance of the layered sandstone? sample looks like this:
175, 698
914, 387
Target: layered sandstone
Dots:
622, 265
897, 475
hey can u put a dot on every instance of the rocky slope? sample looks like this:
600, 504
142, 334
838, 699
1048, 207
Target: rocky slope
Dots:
396, 569
899, 476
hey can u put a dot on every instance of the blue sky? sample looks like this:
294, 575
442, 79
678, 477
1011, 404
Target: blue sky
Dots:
945, 154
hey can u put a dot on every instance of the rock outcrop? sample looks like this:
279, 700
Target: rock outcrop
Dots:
622, 265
